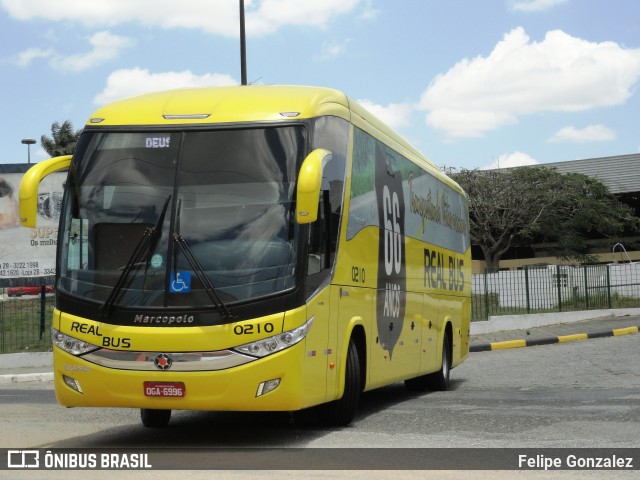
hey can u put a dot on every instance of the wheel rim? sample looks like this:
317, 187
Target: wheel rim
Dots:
445, 363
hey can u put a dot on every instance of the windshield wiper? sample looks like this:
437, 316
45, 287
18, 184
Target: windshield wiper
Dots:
211, 290
149, 240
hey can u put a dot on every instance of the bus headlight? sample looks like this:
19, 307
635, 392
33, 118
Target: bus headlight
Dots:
276, 343
70, 344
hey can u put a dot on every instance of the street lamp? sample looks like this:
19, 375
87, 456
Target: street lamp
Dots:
28, 142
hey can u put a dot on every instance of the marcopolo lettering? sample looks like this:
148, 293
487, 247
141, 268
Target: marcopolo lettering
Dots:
163, 319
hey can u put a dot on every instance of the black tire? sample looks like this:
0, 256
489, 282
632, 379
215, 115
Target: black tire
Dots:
155, 418
439, 381
341, 412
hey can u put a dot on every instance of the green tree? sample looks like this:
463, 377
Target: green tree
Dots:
522, 204
584, 210
63, 139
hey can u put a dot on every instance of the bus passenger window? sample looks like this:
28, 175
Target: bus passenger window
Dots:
320, 244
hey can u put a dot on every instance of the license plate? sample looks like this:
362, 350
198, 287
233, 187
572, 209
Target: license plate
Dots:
164, 389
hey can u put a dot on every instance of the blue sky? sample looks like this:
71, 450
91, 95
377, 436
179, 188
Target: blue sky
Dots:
471, 83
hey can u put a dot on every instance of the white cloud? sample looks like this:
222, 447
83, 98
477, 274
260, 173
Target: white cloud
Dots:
535, 5
274, 14
136, 81
104, 47
510, 160
559, 74
331, 49
27, 56
592, 133
369, 12
395, 115
212, 16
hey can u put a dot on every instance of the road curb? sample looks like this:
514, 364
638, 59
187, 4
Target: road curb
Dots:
485, 347
26, 377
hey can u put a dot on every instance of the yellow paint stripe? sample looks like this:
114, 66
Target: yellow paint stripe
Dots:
508, 344
571, 338
625, 331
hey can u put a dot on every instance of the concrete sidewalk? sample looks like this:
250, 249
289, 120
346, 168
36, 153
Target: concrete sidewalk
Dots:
37, 367
26, 367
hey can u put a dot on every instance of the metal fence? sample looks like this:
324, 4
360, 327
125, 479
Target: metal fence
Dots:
555, 288
25, 315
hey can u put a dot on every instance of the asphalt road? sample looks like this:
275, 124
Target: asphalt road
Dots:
573, 395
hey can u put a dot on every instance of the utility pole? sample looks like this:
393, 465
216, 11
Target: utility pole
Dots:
243, 47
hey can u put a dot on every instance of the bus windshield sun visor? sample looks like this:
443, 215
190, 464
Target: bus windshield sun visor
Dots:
148, 241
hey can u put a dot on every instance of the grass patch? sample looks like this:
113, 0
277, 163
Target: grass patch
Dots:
21, 328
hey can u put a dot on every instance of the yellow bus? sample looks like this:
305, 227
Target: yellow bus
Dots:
260, 248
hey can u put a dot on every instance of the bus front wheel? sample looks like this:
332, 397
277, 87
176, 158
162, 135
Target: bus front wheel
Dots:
341, 412
152, 418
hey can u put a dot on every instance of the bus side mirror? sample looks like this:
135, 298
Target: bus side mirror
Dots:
28, 197
309, 184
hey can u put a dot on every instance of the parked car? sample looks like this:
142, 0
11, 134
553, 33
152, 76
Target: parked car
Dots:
32, 290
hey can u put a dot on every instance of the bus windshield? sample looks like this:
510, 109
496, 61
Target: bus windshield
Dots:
142, 205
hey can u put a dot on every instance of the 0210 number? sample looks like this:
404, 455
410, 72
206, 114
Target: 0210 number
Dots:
254, 328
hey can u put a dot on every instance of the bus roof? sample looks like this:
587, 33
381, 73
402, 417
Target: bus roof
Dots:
211, 105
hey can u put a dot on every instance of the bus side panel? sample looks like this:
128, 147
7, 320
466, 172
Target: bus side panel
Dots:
400, 360
455, 310
353, 307
465, 327
450, 313
394, 336
318, 354
334, 345
430, 334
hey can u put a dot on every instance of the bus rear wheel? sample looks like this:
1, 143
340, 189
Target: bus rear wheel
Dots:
152, 418
340, 412
437, 381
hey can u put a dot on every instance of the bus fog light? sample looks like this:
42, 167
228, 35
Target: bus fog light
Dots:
72, 383
268, 386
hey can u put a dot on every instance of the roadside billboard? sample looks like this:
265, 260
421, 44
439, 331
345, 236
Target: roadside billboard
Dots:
28, 252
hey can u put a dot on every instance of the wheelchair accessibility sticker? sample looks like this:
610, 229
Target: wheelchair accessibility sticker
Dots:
180, 282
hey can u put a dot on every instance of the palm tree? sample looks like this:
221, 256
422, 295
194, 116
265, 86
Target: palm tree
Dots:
63, 141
